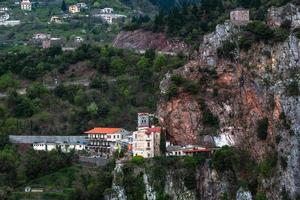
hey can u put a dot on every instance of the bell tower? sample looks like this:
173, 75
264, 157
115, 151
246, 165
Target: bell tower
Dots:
143, 120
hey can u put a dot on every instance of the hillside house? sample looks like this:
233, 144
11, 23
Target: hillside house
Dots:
4, 20
110, 18
4, 17
50, 42
40, 36
48, 143
146, 140
26, 5
107, 10
78, 39
55, 19
188, 150
82, 6
73, 9
63, 146
102, 141
240, 16
3, 9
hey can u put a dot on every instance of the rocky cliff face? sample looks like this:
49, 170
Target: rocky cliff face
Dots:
142, 40
240, 93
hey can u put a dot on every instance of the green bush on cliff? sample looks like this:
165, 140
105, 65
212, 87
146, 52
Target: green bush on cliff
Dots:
227, 50
266, 166
280, 35
262, 128
260, 196
293, 89
297, 32
224, 159
260, 30
138, 160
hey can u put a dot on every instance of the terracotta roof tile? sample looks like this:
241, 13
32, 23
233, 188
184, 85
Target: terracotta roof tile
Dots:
101, 130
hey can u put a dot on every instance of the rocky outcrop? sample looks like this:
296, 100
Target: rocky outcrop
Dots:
279, 15
175, 188
240, 93
141, 40
243, 194
210, 184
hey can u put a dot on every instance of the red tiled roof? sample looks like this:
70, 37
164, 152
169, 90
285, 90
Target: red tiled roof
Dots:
100, 130
196, 150
153, 130
143, 113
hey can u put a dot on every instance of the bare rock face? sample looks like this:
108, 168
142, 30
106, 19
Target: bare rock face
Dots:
211, 185
142, 40
243, 194
251, 88
288, 12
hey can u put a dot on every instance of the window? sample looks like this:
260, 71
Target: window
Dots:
148, 144
135, 136
114, 137
108, 136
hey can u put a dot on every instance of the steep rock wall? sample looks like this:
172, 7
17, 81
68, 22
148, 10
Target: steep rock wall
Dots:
251, 87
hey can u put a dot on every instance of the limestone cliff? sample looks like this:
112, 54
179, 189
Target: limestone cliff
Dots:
241, 92
142, 40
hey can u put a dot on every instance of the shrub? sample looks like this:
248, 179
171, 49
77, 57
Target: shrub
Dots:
227, 50
172, 91
178, 80
297, 32
209, 119
293, 89
260, 196
190, 180
266, 166
286, 24
246, 40
280, 35
224, 159
7, 81
37, 90
139, 160
283, 162
260, 30
262, 129
190, 87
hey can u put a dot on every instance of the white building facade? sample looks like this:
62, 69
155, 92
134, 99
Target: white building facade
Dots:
26, 5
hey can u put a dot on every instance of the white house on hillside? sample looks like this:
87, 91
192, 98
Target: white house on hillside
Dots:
26, 5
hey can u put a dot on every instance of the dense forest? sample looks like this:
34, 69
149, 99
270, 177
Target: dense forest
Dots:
119, 84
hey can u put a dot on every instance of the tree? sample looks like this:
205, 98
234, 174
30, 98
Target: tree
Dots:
7, 81
37, 90
159, 62
143, 63
92, 108
64, 7
224, 159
